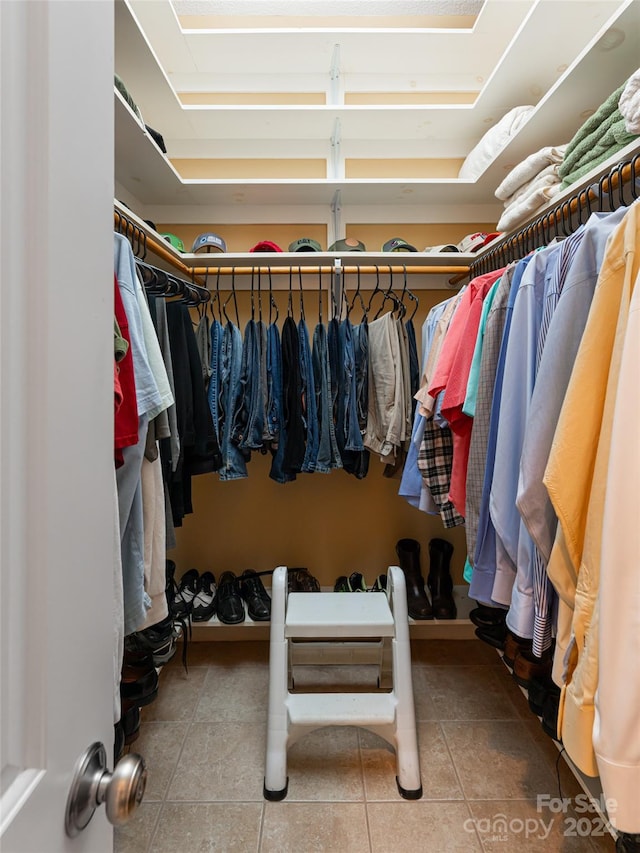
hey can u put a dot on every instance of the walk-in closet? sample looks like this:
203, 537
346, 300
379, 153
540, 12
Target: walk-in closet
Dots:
335, 550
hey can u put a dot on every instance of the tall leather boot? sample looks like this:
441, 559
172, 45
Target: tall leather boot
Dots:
408, 551
439, 580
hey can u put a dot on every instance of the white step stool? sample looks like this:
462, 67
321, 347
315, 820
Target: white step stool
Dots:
337, 616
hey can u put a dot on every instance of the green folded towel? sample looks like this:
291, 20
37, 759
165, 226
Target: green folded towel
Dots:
594, 127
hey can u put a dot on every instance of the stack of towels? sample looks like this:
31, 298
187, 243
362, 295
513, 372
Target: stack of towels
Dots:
530, 185
535, 181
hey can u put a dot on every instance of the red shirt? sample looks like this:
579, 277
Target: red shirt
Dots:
126, 414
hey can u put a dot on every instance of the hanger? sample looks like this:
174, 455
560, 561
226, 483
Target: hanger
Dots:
272, 301
233, 296
388, 294
290, 300
302, 317
412, 296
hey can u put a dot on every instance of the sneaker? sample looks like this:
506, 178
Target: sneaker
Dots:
342, 584
357, 582
186, 591
203, 605
380, 584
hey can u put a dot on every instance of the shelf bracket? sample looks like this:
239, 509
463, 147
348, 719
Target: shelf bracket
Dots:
335, 96
336, 159
336, 212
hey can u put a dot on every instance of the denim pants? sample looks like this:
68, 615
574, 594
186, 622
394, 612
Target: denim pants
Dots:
328, 455
215, 378
347, 390
274, 407
361, 350
294, 427
233, 460
309, 407
248, 420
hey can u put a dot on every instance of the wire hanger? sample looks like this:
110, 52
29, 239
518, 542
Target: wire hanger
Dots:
233, 296
302, 317
272, 301
358, 295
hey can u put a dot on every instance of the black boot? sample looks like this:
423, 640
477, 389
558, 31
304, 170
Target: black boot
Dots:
439, 580
408, 551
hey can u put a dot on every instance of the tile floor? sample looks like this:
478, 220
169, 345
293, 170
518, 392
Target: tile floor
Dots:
484, 760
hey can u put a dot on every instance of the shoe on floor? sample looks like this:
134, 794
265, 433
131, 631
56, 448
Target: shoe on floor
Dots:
187, 589
526, 666
342, 584
229, 601
512, 645
301, 580
484, 616
380, 584
204, 604
357, 582
494, 636
256, 596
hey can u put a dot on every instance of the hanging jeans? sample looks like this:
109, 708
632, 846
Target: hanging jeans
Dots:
275, 405
248, 417
233, 461
309, 407
294, 427
215, 377
328, 455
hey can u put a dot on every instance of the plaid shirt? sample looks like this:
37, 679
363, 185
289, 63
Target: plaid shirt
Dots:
434, 461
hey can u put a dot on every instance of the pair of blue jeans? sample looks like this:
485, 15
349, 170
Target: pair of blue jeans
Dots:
328, 456
274, 407
309, 405
234, 461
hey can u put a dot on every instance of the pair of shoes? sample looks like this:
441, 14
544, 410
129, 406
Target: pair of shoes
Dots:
160, 640
484, 616
301, 580
256, 596
526, 666
203, 605
354, 583
494, 636
229, 601
512, 645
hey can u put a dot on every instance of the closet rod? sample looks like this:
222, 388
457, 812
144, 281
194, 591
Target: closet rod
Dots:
559, 218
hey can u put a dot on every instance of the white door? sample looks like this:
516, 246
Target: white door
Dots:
56, 412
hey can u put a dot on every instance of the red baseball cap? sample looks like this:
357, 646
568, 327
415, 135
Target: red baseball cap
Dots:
266, 246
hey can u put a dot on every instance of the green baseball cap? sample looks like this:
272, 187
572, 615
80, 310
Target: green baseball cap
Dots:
347, 245
305, 244
176, 242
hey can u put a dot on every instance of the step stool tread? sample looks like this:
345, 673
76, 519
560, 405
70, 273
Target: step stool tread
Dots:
338, 614
341, 708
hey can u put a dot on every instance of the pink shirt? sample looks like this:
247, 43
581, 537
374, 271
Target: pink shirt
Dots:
452, 375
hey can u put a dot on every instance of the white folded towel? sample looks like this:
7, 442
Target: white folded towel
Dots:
545, 178
529, 168
520, 211
629, 103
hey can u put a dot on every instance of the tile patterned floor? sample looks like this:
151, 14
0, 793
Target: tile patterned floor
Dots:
484, 760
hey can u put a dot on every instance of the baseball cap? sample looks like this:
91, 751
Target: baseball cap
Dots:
347, 245
491, 237
266, 246
472, 242
209, 242
397, 244
305, 244
176, 242
449, 247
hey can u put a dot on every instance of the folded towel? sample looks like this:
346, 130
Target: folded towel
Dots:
588, 134
519, 212
527, 170
544, 178
618, 138
629, 104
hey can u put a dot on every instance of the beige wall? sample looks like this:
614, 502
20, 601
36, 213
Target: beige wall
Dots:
331, 523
